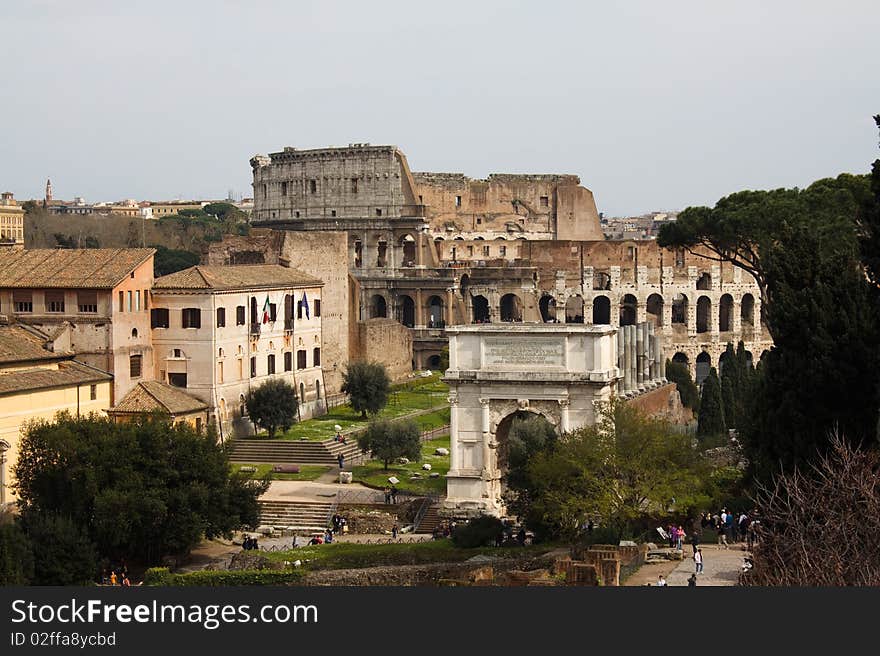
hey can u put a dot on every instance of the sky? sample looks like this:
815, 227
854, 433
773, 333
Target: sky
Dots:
655, 105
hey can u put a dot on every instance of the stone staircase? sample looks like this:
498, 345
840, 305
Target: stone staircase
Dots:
430, 520
298, 516
301, 452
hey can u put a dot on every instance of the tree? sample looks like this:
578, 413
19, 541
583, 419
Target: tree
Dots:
679, 374
16, 558
272, 405
63, 554
170, 260
824, 369
821, 526
710, 422
528, 435
139, 490
389, 440
367, 385
624, 468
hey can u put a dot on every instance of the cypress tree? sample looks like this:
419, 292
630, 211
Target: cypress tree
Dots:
711, 419
730, 386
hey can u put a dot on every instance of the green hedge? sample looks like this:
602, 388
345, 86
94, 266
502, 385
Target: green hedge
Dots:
160, 576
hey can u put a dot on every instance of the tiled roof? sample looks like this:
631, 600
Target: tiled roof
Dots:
17, 344
153, 396
68, 374
240, 276
75, 268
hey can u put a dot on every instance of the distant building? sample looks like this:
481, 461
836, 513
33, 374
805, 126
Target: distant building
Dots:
93, 302
219, 331
37, 383
163, 209
11, 221
157, 398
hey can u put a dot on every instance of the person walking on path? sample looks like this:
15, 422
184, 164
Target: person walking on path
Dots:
661, 581
692, 581
341, 460
698, 561
695, 541
394, 494
387, 496
394, 530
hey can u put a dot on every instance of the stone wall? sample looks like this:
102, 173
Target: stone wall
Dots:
663, 403
388, 342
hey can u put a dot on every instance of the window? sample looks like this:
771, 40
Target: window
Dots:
485, 251
271, 364
479, 220
296, 214
313, 186
316, 357
134, 365
317, 304
273, 311
131, 274
301, 359
93, 392
253, 366
178, 380
54, 301
284, 188
265, 190
177, 353
130, 303
191, 318
87, 302
545, 201
221, 317
299, 309
288, 361
159, 318
502, 250
458, 201
239, 315
134, 333
122, 301
470, 250
332, 212
146, 302
137, 299
378, 212
354, 185
23, 301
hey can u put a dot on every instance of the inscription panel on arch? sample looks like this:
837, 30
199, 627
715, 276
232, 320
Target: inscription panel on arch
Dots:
524, 352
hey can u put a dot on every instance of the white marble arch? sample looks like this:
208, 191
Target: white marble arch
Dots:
558, 371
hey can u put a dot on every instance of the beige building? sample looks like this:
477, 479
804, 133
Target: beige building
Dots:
157, 398
219, 331
93, 302
11, 221
171, 208
36, 383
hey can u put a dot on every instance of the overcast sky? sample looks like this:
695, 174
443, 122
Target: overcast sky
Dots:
655, 105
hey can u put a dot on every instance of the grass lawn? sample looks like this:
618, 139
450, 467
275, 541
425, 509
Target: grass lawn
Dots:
404, 399
374, 475
342, 555
306, 472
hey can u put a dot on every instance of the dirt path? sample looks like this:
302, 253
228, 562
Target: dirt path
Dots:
721, 567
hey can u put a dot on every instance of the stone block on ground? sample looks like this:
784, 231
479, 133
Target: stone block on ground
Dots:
441, 451
345, 477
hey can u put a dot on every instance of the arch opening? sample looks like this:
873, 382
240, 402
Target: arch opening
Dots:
602, 311
511, 308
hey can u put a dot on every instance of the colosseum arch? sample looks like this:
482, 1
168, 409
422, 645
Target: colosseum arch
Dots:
434, 311
480, 309
704, 282
704, 314
704, 364
407, 310
747, 311
378, 307
725, 313
511, 308
547, 306
574, 309
628, 305
601, 310
680, 309
654, 307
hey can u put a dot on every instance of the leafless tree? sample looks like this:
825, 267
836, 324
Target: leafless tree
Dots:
821, 527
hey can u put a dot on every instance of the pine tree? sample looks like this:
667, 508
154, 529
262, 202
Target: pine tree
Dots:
711, 420
730, 386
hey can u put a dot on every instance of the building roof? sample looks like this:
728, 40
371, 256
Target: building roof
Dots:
154, 396
68, 374
86, 268
237, 276
18, 344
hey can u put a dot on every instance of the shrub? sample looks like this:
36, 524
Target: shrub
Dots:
16, 559
478, 532
160, 576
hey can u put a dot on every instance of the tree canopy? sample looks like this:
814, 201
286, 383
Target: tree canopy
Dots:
679, 374
368, 386
138, 490
626, 467
389, 440
272, 405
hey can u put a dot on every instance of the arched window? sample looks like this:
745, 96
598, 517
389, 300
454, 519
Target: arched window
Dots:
628, 310
704, 314
574, 310
725, 313
679, 309
547, 305
378, 307
704, 364
704, 282
602, 311
654, 306
480, 307
511, 308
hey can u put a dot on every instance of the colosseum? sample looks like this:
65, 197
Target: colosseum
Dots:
435, 249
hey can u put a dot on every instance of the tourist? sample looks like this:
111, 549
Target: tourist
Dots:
722, 536
387, 496
394, 494
341, 460
695, 540
521, 537
661, 581
698, 561
394, 530
730, 528
125, 582
679, 537
113, 579
692, 581
328, 536
743, 525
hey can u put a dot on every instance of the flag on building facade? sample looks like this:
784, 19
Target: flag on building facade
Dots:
266, 310
305, 304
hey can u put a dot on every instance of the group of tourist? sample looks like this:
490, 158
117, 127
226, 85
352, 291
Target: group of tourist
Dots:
250, 544
117, 575
390, 495
731, 527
